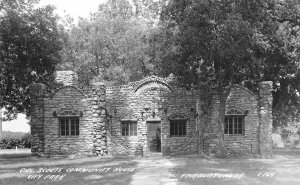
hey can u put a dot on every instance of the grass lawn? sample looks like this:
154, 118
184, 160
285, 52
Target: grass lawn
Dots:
280, 170
18, 168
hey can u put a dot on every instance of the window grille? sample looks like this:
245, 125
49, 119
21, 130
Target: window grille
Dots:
177, 125
69, 126
234, 122
68, 122
129, 128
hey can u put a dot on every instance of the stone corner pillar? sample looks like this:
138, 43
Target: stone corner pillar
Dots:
36, 92
265, 102
98, 101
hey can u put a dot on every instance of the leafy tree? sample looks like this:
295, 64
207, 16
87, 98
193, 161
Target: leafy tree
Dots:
111, 45
228, 42
29, 51
117, 8
284, 69
149, 9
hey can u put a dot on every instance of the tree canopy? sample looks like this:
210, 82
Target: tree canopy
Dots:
218, 43
233, 42
113, 44
30, 42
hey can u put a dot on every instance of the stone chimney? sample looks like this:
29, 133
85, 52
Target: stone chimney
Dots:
66, 78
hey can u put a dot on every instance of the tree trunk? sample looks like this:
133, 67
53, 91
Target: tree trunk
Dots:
200, 126
0, 123
222, 98
221, 149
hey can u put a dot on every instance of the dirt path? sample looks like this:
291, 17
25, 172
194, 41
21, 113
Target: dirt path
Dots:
154, 171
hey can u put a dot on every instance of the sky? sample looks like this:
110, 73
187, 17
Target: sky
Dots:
18, 125
75, 8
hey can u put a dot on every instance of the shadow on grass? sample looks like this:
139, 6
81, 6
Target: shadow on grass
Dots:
280, 170
289, 152
15, 155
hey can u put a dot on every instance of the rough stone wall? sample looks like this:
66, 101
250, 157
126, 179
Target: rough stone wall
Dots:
90, 106
151, 99
250, 103
129, 102
66, 78
246, 101
92, 123
265, 118
36, 92
118, 107
182, 102
68, 98
99, 118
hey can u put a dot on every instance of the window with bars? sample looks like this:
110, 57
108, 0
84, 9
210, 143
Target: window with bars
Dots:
177, 128
234, 122
177, 125
129, 128
68, 122
68, 126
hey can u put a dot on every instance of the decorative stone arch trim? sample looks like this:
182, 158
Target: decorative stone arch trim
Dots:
237, 86
178, 116
234, 123
234, 111
152, 79
128, 115
178, 125
67, 113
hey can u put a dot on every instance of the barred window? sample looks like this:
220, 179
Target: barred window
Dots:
129, 128
234, 122
68, 122
69, 126
177, 125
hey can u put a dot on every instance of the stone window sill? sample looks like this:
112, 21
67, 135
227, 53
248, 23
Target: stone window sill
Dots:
234, 135
178, 136
68, 136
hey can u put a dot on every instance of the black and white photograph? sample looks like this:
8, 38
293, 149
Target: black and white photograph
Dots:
150, 92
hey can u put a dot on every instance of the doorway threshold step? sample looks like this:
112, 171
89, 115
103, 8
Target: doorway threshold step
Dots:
152, 154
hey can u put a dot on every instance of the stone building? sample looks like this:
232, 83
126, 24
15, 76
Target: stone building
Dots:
150, 115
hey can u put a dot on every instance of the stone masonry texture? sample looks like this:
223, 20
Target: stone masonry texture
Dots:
101, 109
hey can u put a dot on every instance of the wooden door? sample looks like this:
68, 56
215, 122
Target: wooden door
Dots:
153, 136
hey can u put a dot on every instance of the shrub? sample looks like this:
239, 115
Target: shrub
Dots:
13, 135
290, 136
26, 140
139, 150
10, 143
